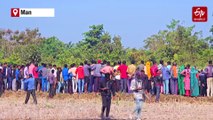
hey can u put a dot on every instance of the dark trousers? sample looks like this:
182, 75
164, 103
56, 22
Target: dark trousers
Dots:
32, 92
157, 93
1, 87
66, 86
9, 81
106, 103
38, 83
51, 91
173, 85
86, 83
97, 83
18, 84
117, 85
203, 91
70, 90
91, 83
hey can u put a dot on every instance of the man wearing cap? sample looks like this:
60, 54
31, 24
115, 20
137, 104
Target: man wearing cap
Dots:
30, 82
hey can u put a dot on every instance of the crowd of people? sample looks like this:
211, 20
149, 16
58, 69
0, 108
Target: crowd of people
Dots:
159, 78
101, 77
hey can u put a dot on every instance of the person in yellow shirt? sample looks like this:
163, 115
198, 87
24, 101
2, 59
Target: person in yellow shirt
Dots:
148, 73
131, 72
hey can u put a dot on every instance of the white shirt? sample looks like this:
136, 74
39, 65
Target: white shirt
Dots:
55, 72
26, 72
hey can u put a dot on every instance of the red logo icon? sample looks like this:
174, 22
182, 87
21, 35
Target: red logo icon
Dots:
14, 12
199, 14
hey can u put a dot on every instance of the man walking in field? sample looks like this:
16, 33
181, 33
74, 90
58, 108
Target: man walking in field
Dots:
107, 90
138, 91
30, 82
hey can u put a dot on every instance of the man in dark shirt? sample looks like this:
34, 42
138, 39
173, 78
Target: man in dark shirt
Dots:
9, 77
107, 90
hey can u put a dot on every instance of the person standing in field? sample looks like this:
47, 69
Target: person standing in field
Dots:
14, 78
181, 80
194, 84
5, 75
21, 76
18, 77
186, 73
174, 79
137, 87
70, 76
107, 90
51, 79
86, 76
160, 66
123, 72
37, 80
30, 82
92, 77
1, 82
44, 78
148, 73
97, 75
131, 72
209, 73
65, 75
203, 83
9, 77
59, 80
156, 81
166, 75
80, 74
117, 76
74, 78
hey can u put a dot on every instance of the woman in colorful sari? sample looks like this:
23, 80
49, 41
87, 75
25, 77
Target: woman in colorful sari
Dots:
186, 80
194, 82
180, 81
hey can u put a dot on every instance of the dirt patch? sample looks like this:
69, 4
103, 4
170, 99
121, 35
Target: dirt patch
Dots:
87, 106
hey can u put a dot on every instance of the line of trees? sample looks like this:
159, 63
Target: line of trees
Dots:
177, 43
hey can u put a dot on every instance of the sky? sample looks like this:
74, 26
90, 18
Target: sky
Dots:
133, 20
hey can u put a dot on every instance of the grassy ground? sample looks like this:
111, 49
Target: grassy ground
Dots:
87, 106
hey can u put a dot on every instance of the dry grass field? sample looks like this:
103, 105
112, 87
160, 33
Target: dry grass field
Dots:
87, 106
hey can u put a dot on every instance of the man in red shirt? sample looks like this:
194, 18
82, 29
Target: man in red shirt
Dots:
80, 74
35, 75
123, 73
156, 81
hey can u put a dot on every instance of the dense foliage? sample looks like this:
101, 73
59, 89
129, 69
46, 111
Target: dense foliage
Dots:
177, 43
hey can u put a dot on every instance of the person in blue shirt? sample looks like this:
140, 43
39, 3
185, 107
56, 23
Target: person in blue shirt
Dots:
18, 79
30, 89
65, 76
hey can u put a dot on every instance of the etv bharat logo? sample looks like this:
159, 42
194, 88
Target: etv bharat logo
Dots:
199, 14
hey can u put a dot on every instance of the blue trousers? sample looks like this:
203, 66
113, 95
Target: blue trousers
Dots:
9, 82
166, 86
138, 108
123, 84
80, 85
44, 84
